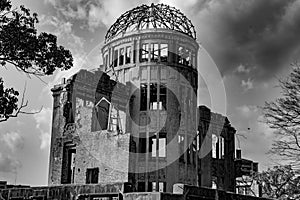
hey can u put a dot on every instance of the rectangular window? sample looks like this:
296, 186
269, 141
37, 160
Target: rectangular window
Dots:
161, 187
141, 187
221, 139
72, 160
153, 186
92, 175
143, 102
128, 55
187, 57
162, 96
115, 58
184, 56
145, 53
180, 54
153, 147
153, 96
114, 124
121, 58
154, 52
142, 144
181, 147
160, 145
198, 140
214, 145
163, 52
106, 64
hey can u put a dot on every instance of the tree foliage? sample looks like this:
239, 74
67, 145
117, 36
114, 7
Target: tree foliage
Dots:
8, 101
279, 182
283, 115
22, 47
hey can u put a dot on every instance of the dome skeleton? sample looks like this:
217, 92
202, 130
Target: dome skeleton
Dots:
153, 16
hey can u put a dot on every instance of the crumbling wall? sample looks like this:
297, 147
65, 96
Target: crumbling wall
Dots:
104, 149
73, 115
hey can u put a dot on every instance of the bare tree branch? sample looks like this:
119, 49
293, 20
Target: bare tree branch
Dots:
20, 108
283, 115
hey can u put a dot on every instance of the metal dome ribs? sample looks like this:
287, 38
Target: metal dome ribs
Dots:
153, 16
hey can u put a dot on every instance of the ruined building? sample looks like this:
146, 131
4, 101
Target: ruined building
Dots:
136, 120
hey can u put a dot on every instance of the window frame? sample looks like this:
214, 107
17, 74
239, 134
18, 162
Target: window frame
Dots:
162, 152
92, 175
128, 54
121, 56
144, 52
97, 111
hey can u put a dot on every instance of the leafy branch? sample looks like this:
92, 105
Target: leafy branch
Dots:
29, 52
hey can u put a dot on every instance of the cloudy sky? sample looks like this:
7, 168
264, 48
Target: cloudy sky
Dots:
252, 42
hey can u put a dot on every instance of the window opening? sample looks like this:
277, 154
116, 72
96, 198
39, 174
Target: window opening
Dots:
162, 96
121, 58
164, 52
92, 175
154, 52
145, 53
116, 58
153, 96
143, 102
128, 55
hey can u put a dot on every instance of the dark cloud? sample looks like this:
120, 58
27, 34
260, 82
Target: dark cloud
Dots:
253, 33
260, 34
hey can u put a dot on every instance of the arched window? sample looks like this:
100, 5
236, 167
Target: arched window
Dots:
102, 112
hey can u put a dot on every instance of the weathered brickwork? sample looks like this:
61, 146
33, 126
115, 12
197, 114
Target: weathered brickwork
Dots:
137, 119
113, 154
72, 122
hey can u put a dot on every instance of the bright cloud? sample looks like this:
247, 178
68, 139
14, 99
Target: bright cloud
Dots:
242, 69
247, 110
43, 124
247, 85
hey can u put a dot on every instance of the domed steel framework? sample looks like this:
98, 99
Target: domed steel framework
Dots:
153, 16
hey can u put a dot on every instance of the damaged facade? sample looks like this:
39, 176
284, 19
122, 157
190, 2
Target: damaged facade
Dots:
136, 119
